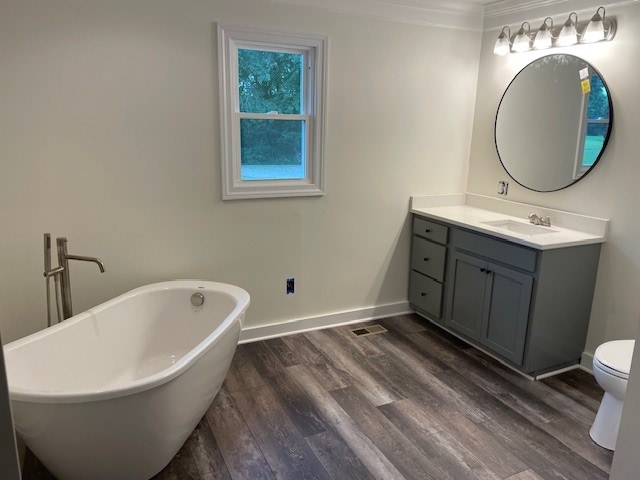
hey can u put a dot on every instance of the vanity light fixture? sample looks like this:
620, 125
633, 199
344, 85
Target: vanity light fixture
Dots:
596, 30
569, 34
503, 44
543, 37
522, 42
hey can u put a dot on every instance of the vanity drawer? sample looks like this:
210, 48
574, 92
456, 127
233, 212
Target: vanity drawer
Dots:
428, 258
497, 250
426, 294
433, 231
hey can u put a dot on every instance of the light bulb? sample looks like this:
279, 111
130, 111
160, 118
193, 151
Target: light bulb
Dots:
544, 38
522, 42
503, 45
568, 35
594, 31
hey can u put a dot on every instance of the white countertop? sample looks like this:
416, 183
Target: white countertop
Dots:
472, 217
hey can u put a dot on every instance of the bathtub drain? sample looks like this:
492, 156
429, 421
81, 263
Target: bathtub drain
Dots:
197, 299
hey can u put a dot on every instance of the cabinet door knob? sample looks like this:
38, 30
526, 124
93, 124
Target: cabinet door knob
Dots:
483, 269
423, 294
427, 230
426, 259
489, 271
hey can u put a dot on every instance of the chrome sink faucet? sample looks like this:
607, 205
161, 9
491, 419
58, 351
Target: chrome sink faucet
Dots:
537, 220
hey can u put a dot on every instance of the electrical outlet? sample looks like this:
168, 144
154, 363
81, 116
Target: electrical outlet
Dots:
291, 286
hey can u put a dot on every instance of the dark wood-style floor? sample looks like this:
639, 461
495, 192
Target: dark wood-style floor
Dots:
412, 403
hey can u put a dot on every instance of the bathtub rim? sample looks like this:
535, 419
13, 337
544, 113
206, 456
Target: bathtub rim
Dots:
241, 296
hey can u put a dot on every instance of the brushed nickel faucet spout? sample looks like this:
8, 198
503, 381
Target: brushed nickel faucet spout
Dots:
83, 258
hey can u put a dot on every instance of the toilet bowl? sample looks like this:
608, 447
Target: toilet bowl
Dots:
611, 365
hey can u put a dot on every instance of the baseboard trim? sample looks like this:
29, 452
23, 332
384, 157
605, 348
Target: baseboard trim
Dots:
558, 371
586, 362
336, 319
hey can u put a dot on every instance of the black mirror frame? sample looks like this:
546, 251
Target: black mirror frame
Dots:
604, 144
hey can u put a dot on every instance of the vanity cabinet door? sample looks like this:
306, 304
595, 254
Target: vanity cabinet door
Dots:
490, 304
506, 312
466, 295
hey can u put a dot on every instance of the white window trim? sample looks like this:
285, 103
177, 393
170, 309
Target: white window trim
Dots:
233, 187
578, 168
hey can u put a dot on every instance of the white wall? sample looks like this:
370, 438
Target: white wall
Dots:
609, 191
109, 135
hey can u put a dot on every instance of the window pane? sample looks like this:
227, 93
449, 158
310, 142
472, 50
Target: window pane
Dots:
272, 149
593, 142
598, 99
270, 81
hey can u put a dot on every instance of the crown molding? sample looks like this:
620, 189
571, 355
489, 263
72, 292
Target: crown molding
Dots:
462, 15
506, 7
471, 15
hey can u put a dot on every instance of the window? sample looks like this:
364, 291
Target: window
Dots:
272, 102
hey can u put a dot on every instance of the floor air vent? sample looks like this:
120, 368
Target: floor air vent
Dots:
371, 330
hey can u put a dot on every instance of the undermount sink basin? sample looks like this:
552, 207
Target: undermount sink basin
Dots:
519, 227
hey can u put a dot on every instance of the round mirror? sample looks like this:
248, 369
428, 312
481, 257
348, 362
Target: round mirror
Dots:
553, 122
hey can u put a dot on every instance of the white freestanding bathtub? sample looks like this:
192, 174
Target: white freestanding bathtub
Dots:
114, 392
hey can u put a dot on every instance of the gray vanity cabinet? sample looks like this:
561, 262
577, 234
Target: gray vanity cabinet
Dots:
526, 306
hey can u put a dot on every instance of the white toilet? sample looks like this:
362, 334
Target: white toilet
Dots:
611, 365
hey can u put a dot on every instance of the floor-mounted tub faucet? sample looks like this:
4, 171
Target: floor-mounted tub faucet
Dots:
61, 277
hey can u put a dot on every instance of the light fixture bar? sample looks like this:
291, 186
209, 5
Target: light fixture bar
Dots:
598, 29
